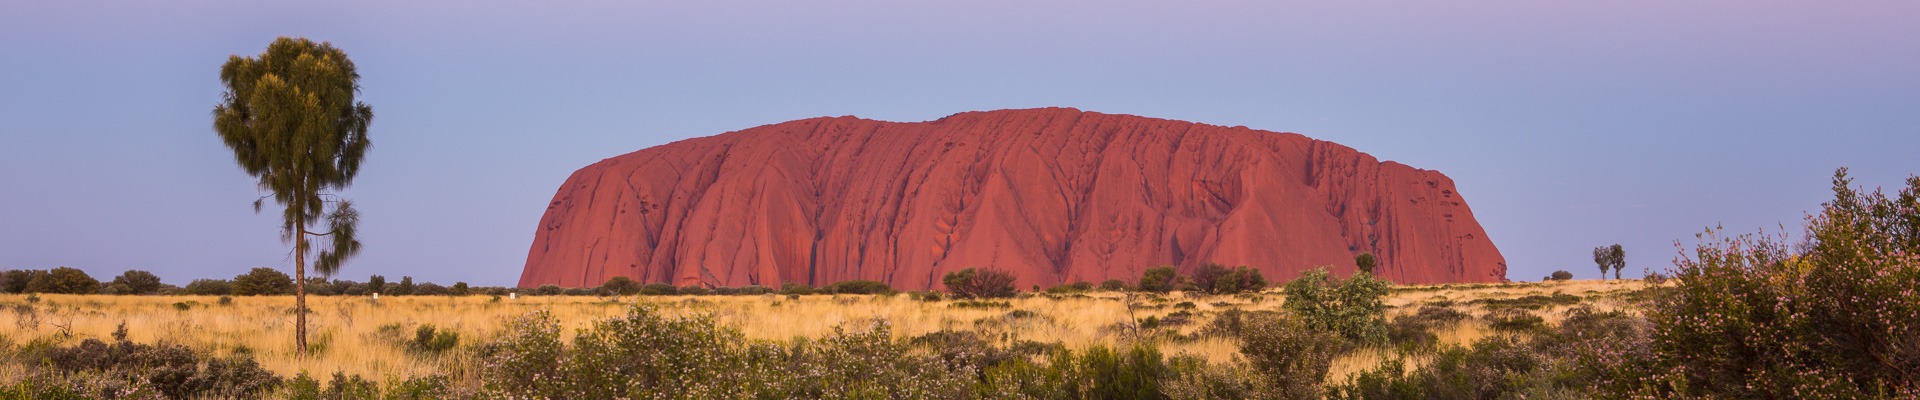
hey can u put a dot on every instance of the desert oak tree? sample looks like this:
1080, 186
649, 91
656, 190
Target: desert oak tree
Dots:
290, 117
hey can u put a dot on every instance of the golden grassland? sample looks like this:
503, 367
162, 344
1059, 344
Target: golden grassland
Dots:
360, 335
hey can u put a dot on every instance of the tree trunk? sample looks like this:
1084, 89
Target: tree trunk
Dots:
300, 289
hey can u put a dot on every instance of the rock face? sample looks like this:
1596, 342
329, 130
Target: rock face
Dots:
1054, 195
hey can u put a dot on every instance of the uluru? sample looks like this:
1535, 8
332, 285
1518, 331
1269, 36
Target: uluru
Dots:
1053, 195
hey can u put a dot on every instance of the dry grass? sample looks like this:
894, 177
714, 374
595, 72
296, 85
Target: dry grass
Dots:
349, 330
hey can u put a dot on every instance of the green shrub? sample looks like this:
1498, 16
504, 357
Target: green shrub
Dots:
63, 280
15, 281
1560, 275
1497, 367
405, 288
621, 285
791, 288
172, 370
1530, 302
1160, 279
262, 281
1240, 279
1836, 316
858, 287
659, 289
979, 283
1351, 307
138, 282
1292, 357
979, 304
1076, 287
926, 296
428, 340
209, 287
1113, 285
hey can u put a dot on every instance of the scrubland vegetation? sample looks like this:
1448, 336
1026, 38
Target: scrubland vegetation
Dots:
457, 345
1832, 315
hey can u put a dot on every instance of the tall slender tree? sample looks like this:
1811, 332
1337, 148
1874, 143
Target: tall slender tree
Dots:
1604, 258
1619, 257
290, 117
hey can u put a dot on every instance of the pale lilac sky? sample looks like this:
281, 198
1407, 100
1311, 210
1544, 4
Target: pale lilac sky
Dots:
1566, 125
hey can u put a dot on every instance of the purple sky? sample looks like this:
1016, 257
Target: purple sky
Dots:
1566, 125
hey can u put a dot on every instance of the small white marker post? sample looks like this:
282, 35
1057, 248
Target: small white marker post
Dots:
376, 296
511, 296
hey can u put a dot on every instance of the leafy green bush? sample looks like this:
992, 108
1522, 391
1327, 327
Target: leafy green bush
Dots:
1160, 279
1076, 287
659, 289
262, 281
138, 282
1351, 307
172, 370
208, 287
1497, 367
1219, 279
1113, 285
1414, 333
63, 280
1837, 316
858, 287
791, 288
1291, 356
979, 283
621, 285
15, 280
1560, 275
429, 340
1530, 302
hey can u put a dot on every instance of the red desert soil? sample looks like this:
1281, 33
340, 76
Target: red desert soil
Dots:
1054, 195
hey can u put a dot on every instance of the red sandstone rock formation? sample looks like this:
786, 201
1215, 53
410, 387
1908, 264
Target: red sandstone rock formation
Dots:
1054, 195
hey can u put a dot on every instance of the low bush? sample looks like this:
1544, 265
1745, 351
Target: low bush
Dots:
1512, 320
858, 287
979, 283
63, 280
429, 340
262, 281
1530, 302
137, 282
170, 370
1834, 316
208, 287
791, 288
1160, 279
620, 285
1349, 307
1066, 288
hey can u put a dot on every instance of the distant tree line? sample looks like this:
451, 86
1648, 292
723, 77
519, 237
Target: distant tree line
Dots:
256, 282
969, 283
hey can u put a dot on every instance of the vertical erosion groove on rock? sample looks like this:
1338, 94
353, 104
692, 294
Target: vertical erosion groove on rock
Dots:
1054, 195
